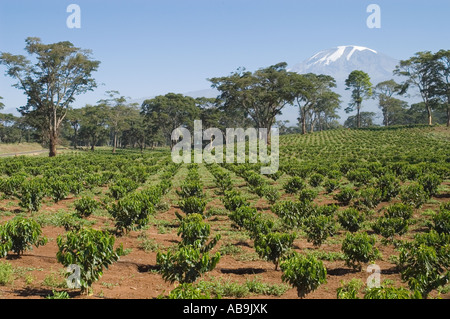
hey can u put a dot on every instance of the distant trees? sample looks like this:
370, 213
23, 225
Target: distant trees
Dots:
261, 95
62, 72
361, 87
313, 96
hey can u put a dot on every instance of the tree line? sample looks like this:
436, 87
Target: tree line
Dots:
60, 72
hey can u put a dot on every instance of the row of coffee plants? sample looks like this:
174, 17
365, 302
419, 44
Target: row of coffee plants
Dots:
191, 258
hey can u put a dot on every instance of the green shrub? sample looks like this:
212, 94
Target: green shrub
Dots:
289, 212
233, 200
188, 291
359, 248
22, 233
31, 194
388, 291
305, 274
10, 186
319, 228
399, 210
345, 196
316, 180
360, 176
389, 187
441, 222
331, 185
185, 264
272, 194
430, 183
389, 227
6, 273
86, 206
307, 195
351, 219
131, 212
195, 231
242, 214
58, 189
349, 290
273, 246
370, 197
98, 253
414, 195
294, 185
422, 267
193, 205
191, 189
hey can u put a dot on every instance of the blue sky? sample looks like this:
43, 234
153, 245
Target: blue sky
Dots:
153, 47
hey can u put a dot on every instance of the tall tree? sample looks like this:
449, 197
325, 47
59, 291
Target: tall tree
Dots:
384, 92
421, 73
118, 113
62, 72
443, 81
361, 87
261, 94
94, 124
366, 120
166, 113
74, 118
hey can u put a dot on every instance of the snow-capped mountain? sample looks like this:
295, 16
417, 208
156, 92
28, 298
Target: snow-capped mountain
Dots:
341, 61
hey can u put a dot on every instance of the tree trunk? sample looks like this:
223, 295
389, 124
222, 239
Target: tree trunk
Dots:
430, 119
448, 114
358, 116
114, 143
52, 144
303, 120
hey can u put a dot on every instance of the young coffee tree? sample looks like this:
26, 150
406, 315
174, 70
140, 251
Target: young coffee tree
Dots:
21, 234
305, 274
274, 246
359, 248
319, 228
91, 250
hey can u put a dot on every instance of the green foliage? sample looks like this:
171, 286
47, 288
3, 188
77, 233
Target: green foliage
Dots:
359, 248
274, 246
242, 215
425, 262
185, 263
349, 290
399, 210
307, 195
351, 219
131, 212
58, 295
122, 187
233, 200
271, 194
193, 205
361, 176
31, 194
430, 183
86, 206
22, 234
414, 195
195, 231
58, 189
319, 228
191, 189
387, 290
294, 185
10, 186
441, 222
305, 274
316, 180
97, 249
345, 196
188, 291
370, 196
389, 227
389, 187
331, 185
6, 273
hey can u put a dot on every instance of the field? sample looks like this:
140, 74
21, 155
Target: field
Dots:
376, 169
